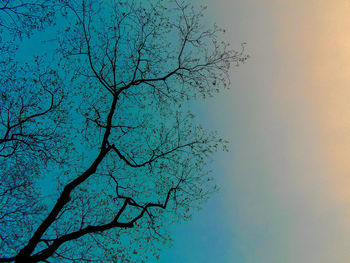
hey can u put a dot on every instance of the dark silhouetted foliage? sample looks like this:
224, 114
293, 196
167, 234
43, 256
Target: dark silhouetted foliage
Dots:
109, 128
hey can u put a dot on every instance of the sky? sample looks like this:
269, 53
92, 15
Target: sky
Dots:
285, 184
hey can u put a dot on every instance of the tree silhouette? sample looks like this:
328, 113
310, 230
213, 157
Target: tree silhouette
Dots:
21, 17
128, 157
29, 115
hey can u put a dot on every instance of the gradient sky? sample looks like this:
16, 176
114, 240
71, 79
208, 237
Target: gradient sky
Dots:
285, 184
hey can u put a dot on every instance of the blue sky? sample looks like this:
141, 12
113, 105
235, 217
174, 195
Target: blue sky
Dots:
285, 182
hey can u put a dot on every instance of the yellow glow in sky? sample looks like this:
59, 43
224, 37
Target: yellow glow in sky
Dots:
289, 172
319, 37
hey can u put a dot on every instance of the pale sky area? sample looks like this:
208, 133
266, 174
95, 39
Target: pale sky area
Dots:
285, 184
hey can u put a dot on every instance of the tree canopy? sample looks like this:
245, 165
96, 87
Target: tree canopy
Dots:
98, 146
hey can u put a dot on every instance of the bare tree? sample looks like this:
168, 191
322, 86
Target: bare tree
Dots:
137, 160
30, 113
29, 92
21, 17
